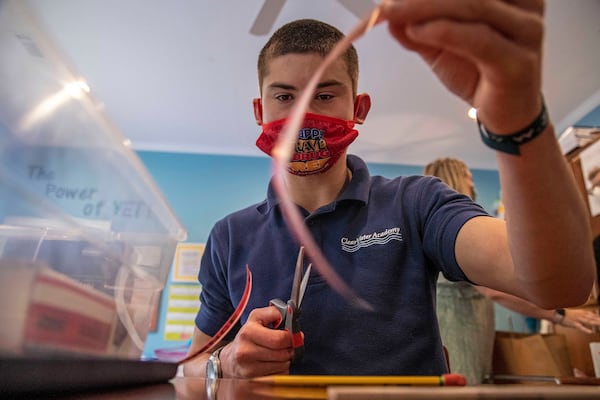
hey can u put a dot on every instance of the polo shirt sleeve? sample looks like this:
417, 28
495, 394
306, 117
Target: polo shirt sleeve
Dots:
443, 213
215, 303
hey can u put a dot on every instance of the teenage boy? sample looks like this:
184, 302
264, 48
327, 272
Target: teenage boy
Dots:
389, 239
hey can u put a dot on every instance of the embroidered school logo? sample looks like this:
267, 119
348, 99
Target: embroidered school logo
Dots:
352, 245
311, 153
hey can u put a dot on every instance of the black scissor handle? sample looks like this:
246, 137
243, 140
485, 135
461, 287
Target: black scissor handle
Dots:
292, 324
289, 322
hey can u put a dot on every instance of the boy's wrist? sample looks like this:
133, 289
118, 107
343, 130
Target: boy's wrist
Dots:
214, 368
510, 143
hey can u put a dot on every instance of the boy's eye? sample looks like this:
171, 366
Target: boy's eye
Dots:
324, 97
284, 97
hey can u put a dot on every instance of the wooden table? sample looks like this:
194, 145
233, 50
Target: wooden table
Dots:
231, 389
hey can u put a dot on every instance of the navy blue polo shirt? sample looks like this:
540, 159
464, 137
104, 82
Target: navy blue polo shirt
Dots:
387, 238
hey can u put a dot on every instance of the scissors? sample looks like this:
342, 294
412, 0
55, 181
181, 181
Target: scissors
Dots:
290, 311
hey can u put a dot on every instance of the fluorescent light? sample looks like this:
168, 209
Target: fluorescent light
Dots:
472, 113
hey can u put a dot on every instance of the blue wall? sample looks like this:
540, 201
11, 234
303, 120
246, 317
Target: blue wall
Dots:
591, 119
204, 188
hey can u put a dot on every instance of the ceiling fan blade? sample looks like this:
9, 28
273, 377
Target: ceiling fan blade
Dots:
360, 8
266, 17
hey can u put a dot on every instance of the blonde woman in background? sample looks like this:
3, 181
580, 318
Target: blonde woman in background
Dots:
466, 312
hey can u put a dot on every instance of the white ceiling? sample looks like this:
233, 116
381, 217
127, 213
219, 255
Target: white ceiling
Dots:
180, 75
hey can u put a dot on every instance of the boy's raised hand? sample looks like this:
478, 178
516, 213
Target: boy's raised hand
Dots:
487, 52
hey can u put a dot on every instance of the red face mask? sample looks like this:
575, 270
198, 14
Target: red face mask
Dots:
321, 142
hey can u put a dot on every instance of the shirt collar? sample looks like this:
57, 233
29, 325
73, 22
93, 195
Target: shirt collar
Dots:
356, 190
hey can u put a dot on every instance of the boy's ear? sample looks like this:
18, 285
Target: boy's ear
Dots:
258, 114
362, 105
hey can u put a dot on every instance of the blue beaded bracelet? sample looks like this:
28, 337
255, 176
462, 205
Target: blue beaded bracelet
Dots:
510, 143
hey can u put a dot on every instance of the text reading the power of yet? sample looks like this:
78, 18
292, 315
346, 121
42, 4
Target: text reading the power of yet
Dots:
61, 192
92, 205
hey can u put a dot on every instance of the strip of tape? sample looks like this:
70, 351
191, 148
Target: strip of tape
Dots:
214, 342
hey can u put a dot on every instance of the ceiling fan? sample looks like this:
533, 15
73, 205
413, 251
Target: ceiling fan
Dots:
271, 8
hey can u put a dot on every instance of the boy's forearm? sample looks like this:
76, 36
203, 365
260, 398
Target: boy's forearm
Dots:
548, 224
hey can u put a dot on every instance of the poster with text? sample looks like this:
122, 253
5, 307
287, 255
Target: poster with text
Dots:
187, 262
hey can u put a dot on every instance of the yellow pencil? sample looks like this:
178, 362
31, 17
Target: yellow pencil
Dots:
334, 380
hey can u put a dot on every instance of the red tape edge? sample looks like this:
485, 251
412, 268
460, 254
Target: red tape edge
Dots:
229, 324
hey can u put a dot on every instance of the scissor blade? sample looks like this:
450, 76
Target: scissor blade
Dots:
295, 295
303, 285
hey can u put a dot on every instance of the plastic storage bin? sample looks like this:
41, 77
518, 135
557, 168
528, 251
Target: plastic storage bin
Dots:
86, 238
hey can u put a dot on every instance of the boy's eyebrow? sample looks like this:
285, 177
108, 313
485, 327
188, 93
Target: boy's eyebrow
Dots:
329, 83
279, 85
321, 85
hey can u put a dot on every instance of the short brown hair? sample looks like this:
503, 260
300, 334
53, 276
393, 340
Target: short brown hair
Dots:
306, 36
